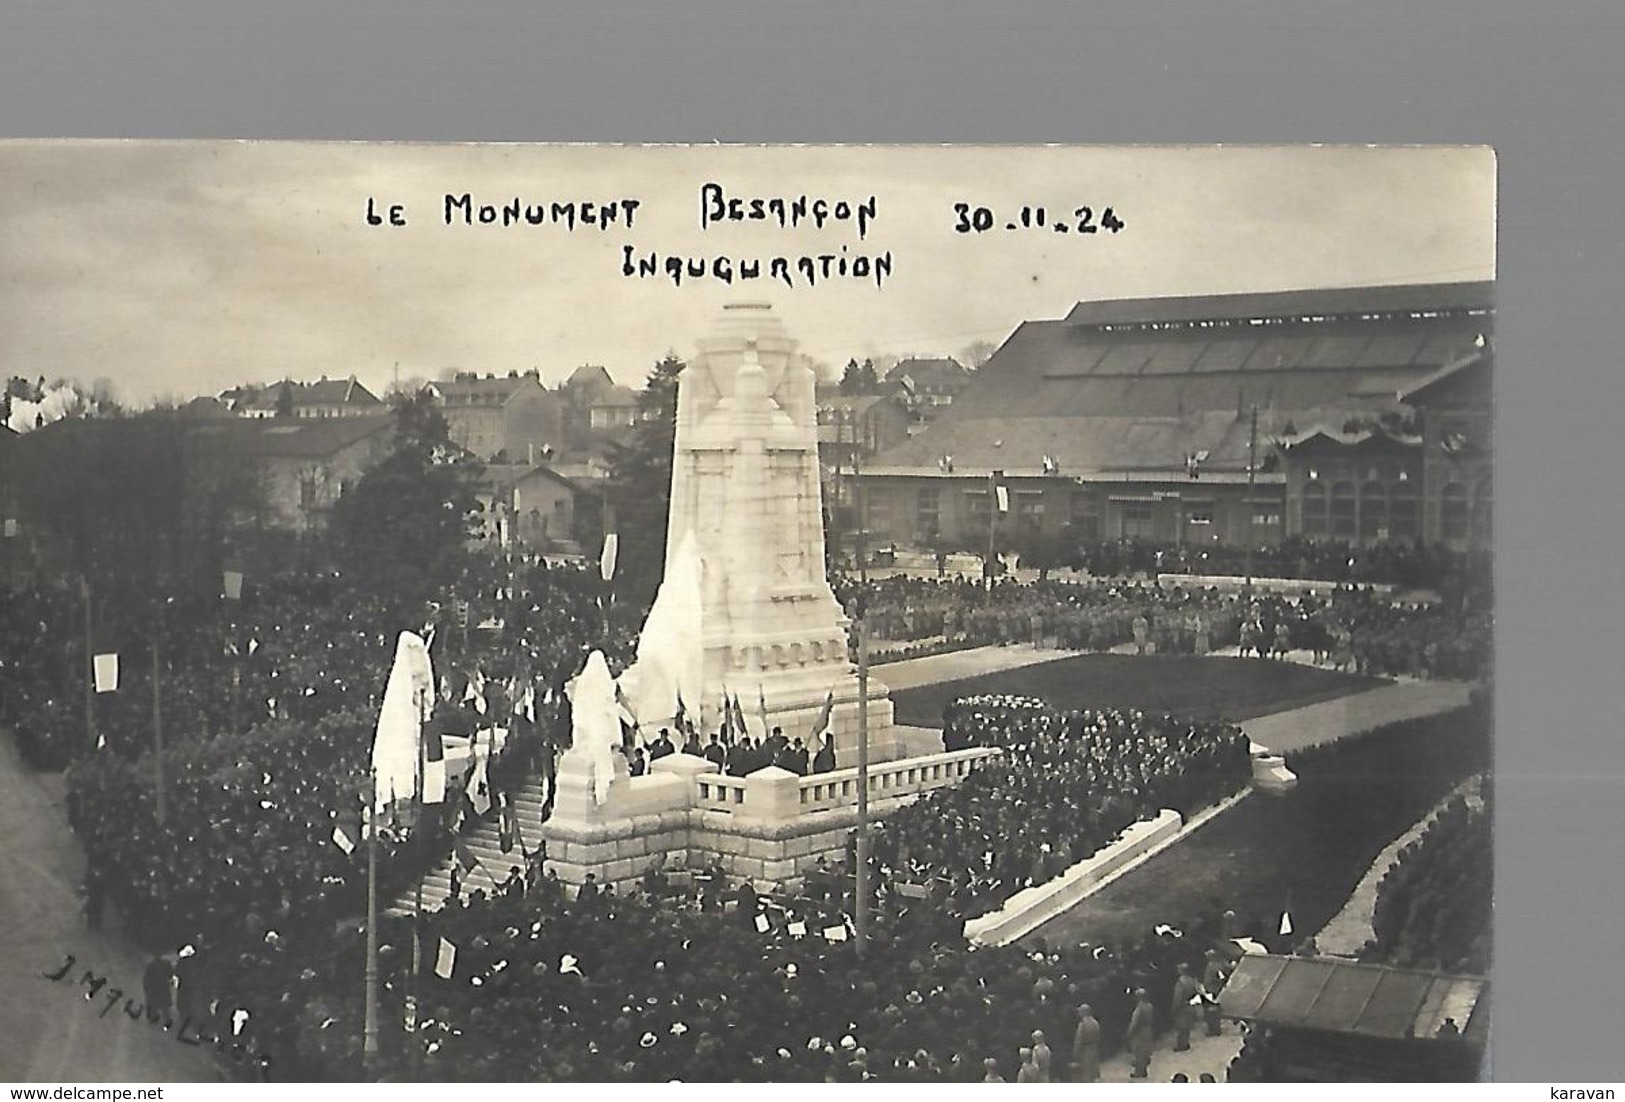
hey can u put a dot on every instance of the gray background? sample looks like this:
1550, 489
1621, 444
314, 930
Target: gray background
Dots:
1543, 84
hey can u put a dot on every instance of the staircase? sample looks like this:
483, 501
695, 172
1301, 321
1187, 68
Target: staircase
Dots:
484, 842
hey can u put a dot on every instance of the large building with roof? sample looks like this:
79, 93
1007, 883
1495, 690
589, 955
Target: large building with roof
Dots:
511, 418
1135, 419
321, 400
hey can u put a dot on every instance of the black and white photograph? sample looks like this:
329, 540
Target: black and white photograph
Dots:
517, 613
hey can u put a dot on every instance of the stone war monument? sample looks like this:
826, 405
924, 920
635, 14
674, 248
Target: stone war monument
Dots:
747, 518
745, 611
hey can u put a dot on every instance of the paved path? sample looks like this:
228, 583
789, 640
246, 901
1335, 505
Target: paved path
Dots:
49, 1033
1350, 928
1291, 730
911, 673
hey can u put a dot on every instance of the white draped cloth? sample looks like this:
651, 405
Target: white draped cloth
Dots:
595, 721
409, 699
671, 654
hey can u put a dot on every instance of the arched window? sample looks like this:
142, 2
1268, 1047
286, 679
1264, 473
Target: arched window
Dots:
1404, 511
1373, 510
1314, 509
1453, 512
1343, 510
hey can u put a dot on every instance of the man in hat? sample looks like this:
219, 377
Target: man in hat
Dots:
1213, 977
1182, 1014
1028, 1073
1142, 1032
1086, 1047
1041, 1056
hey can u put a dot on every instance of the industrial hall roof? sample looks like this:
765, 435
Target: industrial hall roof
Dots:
1341, 996
1141, 384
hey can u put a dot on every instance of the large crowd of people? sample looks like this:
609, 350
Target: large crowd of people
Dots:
688, 977
1351, 628
250, 879
1386, 562
1433, 905
1066, 784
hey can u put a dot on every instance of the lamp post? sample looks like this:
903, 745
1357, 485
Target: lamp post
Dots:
861, 884
1252, 467
157, 720
369, 1029
90, 671
993, 480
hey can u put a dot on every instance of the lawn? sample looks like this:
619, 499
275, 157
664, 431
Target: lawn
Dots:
1230, 688
1311, 845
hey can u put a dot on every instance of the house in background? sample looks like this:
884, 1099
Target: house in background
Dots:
303, 465
511, 417
535, 507
927, 387
596, 407
324, 399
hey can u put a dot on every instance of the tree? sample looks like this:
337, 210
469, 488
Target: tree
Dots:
639, 490
284, 400
860, 378
408, 521
977, 353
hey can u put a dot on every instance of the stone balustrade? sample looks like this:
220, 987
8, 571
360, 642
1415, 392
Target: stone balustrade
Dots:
770, 827
908, 777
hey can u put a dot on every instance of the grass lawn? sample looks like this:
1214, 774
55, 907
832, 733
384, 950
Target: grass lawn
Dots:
1231, 688
1311, 845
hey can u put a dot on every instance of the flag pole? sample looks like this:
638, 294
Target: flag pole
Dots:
417, 908
863, 782
90, 668
369, 1044
1252, 467
157, 729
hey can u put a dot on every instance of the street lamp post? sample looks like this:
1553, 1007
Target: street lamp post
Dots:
90, 669
862, 884
157, 722
1252, 467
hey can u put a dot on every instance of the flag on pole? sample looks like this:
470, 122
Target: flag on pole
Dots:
821, 724
106, 670
434, 767
479, 788
739, 718
761, 705
445, 960
680, 719
727, 718
1004, 498
606, 561
629, 718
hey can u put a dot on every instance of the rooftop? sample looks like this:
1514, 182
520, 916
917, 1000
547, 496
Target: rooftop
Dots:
1154, 383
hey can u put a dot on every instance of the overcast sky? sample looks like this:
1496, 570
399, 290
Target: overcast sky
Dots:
180, 269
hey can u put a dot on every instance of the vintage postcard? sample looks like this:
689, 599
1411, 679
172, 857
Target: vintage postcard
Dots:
724, 613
